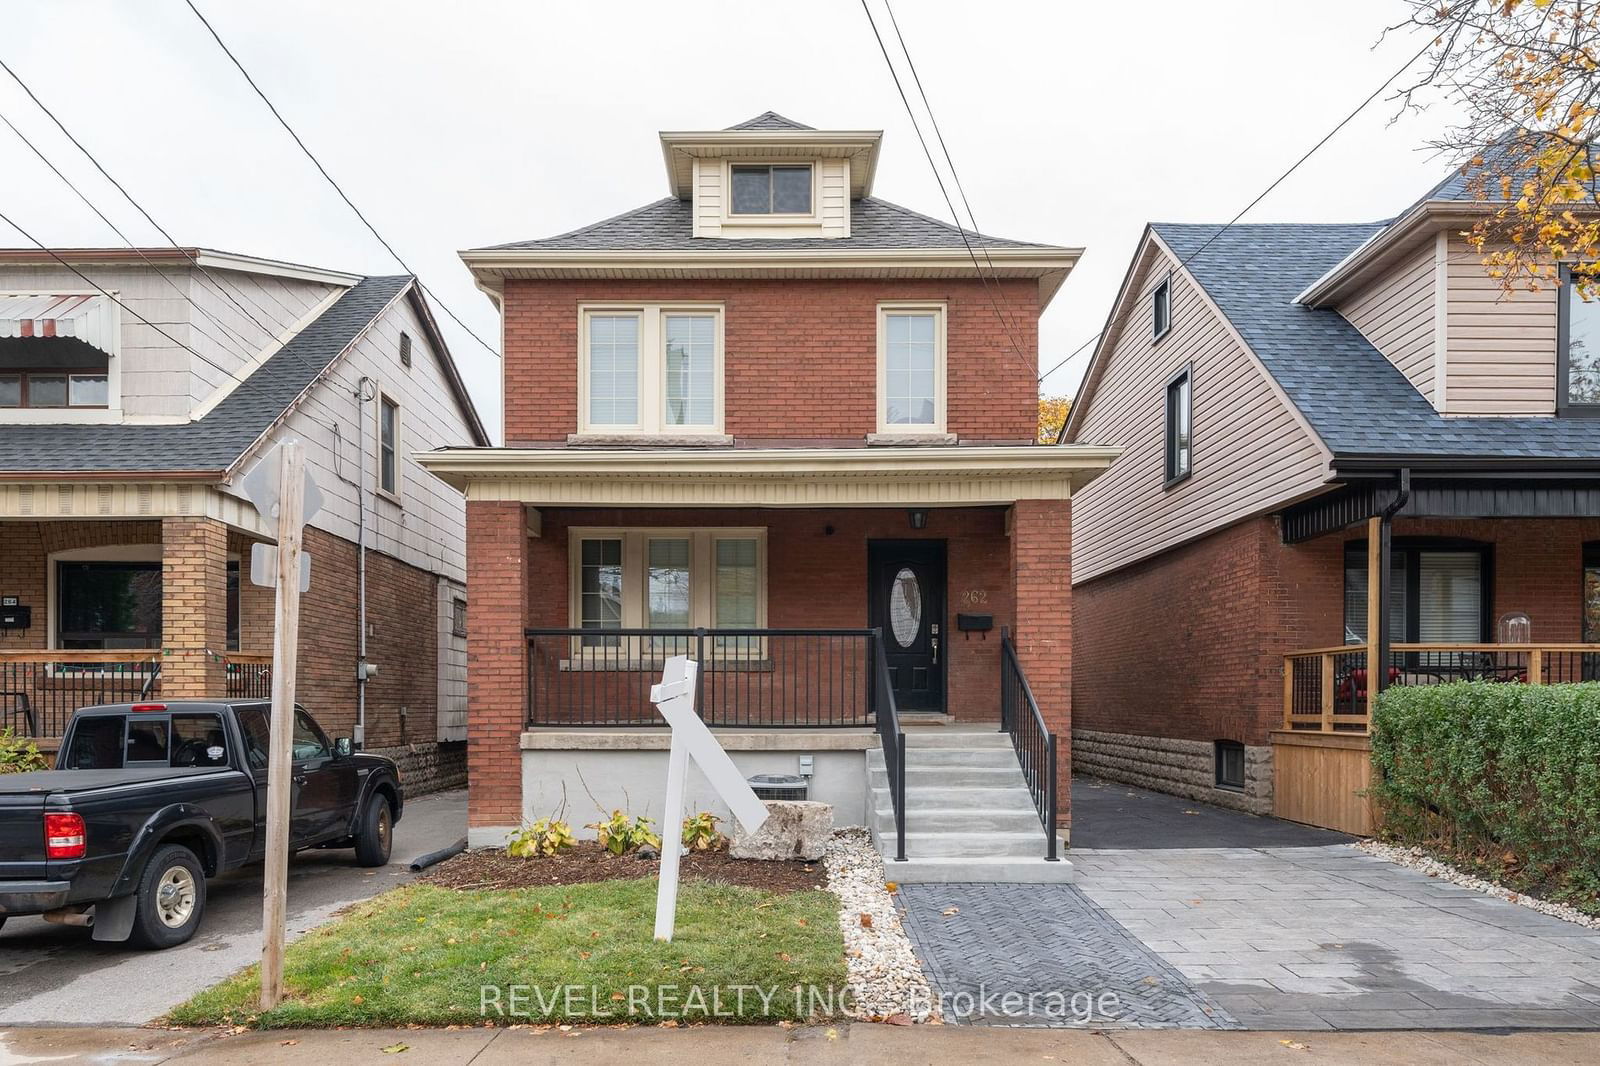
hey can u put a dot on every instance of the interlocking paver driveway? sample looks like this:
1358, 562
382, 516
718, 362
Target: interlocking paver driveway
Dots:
1326, 936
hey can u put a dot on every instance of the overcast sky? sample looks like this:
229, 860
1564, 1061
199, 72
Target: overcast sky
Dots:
467, 123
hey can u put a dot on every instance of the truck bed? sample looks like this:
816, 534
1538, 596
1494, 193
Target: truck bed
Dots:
45, 782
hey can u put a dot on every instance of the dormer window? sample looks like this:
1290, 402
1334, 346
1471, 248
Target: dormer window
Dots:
771, 190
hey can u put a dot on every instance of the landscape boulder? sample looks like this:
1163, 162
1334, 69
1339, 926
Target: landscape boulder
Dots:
794, 829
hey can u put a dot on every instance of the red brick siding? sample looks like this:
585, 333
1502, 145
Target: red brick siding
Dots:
194, 600
497, 612
1041, 566
801, 356
819, 580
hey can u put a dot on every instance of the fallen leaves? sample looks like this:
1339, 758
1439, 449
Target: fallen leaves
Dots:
866, 920
948, 911
395, 1049
1295, 1045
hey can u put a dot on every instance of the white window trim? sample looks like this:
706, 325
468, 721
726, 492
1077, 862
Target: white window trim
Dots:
940, 311
810, 218
112, 411
377, 448
652, 385
635, 566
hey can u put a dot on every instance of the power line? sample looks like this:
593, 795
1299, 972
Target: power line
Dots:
215, 282
954, 214
1281, 178
329, 177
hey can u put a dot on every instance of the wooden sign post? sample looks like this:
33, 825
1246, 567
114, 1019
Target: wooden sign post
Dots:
287, 498
674, 698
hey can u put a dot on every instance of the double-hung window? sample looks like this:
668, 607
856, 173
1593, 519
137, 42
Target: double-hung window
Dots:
1577, 350
388, 446
651, 369
1179, 428
911, 368
1439, 592
672, 580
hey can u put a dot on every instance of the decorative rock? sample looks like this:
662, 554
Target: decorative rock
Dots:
886, 980
647, 853
794, 829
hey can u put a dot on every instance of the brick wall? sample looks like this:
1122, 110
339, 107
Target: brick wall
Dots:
24, 548
801, 356
497, 610
194, 602
818, 579
1041, 565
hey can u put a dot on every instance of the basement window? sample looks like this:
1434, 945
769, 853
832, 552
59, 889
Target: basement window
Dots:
1230, 765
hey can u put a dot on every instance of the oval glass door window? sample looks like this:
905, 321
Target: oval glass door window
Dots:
905, 607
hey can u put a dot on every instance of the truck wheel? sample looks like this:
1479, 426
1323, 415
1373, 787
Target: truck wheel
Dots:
171, 899
375, 834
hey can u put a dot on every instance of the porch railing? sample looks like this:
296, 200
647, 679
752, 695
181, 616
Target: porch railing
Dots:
791, 678
1035, 744
249, 676
39, 690
886, 716
1329, 690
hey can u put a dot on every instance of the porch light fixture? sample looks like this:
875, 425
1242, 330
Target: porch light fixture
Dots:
919, 518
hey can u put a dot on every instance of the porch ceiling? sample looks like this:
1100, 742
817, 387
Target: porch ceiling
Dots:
790, 477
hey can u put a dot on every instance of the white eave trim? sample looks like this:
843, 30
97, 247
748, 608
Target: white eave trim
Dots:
276, 268
1368, 255
851, 144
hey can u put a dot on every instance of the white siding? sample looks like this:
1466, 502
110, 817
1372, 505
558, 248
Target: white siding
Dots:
232, 317
833, 197
1396, 313
452, 666
832, 192
1500, 354
708, 193
1250, 451
427, 527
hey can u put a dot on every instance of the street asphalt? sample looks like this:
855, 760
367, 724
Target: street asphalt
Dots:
53, 975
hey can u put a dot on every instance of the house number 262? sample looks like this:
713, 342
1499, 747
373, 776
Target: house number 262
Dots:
974, 597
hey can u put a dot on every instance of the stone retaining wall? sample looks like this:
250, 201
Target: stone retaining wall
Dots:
426, 768
1181, 767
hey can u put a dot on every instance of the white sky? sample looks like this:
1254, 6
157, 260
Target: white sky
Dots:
469, 123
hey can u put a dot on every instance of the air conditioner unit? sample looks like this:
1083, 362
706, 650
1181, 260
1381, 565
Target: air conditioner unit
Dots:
779, 786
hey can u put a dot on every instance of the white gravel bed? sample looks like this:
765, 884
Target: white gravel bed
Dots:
885, 978
1419, 860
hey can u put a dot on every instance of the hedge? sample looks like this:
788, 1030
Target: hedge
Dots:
1505, 775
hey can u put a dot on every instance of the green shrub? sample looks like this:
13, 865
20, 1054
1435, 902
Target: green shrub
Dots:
1503, 776
19, 755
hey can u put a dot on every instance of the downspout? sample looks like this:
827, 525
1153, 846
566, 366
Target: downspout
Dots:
1378, 673
366, 391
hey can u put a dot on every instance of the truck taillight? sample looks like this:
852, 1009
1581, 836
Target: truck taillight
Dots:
64, 836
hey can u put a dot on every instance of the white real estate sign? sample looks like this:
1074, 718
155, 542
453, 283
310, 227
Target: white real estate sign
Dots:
674, 698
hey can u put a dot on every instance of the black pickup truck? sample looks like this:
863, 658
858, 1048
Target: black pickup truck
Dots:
147, 800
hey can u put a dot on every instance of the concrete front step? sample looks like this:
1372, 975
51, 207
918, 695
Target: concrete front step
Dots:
921, 870
964, 845
977, 759
957, 738
966, 799
952, 777
957, 819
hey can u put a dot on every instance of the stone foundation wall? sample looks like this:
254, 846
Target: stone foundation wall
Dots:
426, 768
1181, 767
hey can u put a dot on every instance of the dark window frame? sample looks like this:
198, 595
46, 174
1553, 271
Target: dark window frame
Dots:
1230, 747
1411, 547
25, 374
1161, 310
389, 482
1564, 406
1169, 448
771, 211
1591, 561
458, 617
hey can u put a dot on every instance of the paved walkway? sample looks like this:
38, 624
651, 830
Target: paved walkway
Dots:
1275, 926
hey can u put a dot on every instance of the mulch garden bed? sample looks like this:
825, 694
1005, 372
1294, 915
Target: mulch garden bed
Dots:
587, 861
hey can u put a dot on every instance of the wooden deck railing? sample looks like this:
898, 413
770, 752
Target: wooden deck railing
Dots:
1327, 690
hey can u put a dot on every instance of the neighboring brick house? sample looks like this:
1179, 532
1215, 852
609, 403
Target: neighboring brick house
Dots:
1335, 437
127, 422
775, 409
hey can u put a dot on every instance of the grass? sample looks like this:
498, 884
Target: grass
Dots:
568, 953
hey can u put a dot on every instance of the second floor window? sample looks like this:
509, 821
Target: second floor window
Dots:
651, 369
911, 368
1578, 350
50, 388
388, 443
1179, 438
771, 190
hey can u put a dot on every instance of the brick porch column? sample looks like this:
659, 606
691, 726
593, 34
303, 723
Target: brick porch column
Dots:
1041, 567
194, 607
497, 612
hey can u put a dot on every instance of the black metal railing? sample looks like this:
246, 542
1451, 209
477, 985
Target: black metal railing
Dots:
251, 680
39, 691
1034, 743
792, 678
886, 715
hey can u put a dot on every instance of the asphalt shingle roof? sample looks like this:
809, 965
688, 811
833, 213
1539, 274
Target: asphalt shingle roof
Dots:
668, 225
1357, 401
215, 441
770, 120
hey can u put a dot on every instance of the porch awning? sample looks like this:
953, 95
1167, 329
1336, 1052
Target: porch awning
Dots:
770, 477
88, 318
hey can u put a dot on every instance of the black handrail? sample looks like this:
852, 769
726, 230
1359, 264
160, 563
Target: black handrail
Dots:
1034, 743
887, 718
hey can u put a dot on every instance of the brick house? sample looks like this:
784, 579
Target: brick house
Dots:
1340, 441
788, 428
126, 426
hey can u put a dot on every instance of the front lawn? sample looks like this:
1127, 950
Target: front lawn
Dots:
567, 953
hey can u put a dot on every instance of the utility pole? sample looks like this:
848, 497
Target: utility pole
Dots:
286, 641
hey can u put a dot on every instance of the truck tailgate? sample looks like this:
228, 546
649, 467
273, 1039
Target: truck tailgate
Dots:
21, 835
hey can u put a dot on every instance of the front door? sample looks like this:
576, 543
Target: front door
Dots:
905, 599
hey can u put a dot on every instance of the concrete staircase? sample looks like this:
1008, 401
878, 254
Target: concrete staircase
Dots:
969, 816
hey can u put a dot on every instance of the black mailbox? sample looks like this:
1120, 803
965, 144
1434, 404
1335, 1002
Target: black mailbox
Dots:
16, 617
974, 623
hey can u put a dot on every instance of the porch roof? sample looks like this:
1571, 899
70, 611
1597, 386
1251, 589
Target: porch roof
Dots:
771, 477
